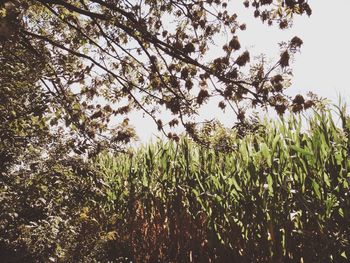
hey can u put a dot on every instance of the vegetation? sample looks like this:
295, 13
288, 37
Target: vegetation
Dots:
71, 191
145, 55
279, 194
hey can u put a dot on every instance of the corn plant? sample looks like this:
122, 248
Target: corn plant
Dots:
280, 194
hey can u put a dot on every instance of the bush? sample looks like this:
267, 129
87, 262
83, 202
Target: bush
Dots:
52, 212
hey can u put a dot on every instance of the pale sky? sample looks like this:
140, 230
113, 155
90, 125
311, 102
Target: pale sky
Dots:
321, 67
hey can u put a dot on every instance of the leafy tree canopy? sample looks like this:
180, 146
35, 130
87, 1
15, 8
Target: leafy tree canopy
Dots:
104, 58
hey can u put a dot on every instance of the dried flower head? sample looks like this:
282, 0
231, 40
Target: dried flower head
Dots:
305, 7
173, 122
264, 16
228, 92
189, 84
184, 73
243, 27
308, 104
280, 109
173, 105
256, 13
159, 124
278, 78
190, 127
283, 24
278, 86
296, 42
175, 137
299, 99
243, 59
297, 108
222, 105
241, 116
290, 3
234, 43
189, 48
284, 61
202, 96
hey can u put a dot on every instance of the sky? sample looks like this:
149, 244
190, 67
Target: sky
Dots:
322, 66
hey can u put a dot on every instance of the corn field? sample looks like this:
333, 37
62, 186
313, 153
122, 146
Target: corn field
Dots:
277, 195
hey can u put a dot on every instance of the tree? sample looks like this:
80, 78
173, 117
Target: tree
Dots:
149, 56
23, 104
42, 186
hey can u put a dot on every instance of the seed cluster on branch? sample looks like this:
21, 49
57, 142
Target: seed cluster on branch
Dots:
150, 56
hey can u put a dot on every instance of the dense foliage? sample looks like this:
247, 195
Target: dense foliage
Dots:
279, 194
43, 186
151, 56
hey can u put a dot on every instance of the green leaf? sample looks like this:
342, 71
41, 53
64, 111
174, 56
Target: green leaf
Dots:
301, 150
270, 184
316, 189
266, 153
344, 255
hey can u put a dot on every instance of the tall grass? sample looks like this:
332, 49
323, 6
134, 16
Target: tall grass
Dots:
278, 195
